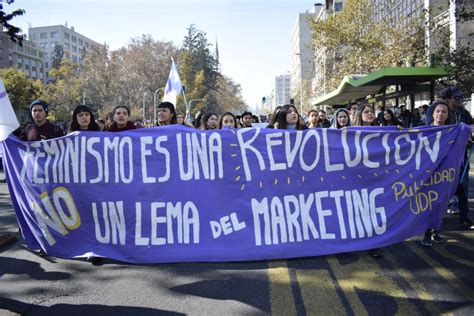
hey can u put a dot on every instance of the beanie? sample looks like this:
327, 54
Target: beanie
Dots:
43, 103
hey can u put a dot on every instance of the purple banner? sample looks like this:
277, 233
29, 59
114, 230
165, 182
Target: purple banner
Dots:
174, 194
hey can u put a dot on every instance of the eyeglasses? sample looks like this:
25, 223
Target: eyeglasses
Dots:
458, 98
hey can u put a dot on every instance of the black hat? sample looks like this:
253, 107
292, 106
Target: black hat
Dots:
43, 103
451, 92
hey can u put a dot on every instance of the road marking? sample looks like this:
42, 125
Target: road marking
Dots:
443, 272
319, 292
281, 294
441, 249
422, 292
345, 282
364, 274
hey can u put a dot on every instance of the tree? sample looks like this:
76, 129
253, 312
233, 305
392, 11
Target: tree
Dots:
22, 90
101, 84
12, 31
356, 43
198, 67
57, 56
65, 92
141, 68
460, 61
228, 96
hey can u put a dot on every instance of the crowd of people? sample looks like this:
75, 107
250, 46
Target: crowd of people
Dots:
447, 110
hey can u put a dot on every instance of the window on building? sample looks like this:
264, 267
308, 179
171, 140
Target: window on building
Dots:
74, 49
66, 35
80, 42
53, 44
10, 57
87, 45
66, 46
43, 35
1, 50
34, 36
53, 34
73, 39
337, 6
74, 58
43, 45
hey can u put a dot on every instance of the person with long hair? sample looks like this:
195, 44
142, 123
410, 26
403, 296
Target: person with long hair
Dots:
364, 116
274, 117
209, 121
121, 119
389, 119
228, 120
83, 119
341, 119
440, 117
289, 118
313, 119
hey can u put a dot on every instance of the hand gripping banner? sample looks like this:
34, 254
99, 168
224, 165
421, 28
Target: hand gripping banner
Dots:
174, 194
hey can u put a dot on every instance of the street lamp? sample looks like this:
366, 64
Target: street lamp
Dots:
144, 95
154, 104
188, 110
301, 84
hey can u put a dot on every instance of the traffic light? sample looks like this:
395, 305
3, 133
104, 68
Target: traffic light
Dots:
292, 101
264, 99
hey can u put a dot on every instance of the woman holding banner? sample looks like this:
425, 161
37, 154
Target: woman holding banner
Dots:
210, 121
228, 120
440, 117
289, 118
364, 116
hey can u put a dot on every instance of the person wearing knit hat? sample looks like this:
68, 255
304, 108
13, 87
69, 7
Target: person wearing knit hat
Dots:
40, 128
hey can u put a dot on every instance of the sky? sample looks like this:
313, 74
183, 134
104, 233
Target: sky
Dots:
254, 37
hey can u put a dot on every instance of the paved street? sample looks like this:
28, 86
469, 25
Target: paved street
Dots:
409, 279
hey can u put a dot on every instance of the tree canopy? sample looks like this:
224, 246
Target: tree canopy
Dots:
13, 31
356, 43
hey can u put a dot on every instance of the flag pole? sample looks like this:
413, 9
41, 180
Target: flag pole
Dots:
188, 110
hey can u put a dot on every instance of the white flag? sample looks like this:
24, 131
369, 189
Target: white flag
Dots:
173, 86
8, 120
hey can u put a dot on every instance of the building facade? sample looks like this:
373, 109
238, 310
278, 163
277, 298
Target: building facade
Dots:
302, 55
27, 58
323, 59
442, 21
48, 37
282, 90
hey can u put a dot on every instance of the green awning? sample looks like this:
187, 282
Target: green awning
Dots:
355, 87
